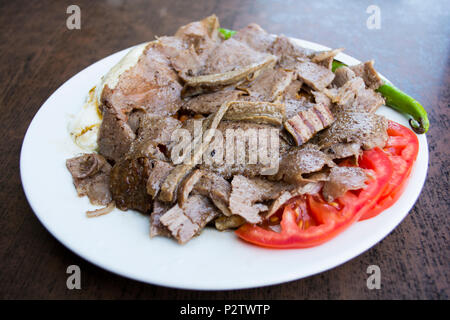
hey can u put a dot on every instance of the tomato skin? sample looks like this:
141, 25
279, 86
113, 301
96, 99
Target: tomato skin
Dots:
330, 220
401, 148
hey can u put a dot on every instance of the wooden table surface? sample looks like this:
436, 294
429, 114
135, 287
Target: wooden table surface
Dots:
38, 54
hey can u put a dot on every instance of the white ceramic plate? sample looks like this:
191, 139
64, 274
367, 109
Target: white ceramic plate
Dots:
120, 242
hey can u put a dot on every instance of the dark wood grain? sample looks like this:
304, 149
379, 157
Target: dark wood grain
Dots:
38, 54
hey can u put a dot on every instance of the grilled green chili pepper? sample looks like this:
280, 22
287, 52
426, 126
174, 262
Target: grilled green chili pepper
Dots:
400, 101
227, 33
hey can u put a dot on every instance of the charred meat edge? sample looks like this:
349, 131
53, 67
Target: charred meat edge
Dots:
257, 111
229, 77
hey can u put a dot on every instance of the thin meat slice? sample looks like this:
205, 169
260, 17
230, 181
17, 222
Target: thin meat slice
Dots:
90, 174
292, 91
168, 190
300, 161
115, 135
248, 194
342, 179
322, 98
156, 227
232, 55
255, 37
269, 84
187, 185
158, 129
306, 123
178, 224
314, 75
216, 188
197, 39
344, 150
160, 171
184, 223
129, 184
278, 203
84, 166
368, 100
187, 62
288, 53
325, 58
151, 85
346, 94
354, 96
342, 75
210, 102
294, 106
293, 101
230, 62
256, 111
318, 176
216, 81
202, 35
369, 74
366, 129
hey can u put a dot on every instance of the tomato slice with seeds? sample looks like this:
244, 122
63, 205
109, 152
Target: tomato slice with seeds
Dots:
309, 220
401, 148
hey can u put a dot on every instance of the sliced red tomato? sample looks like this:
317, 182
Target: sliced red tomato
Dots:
401, 148
309, 221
